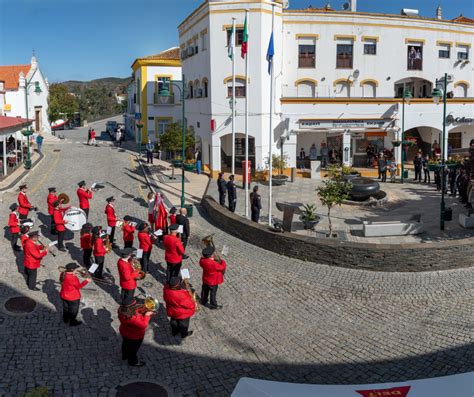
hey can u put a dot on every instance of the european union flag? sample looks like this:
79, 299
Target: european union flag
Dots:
270, 53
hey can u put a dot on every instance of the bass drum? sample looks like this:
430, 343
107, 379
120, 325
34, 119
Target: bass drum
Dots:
76, 219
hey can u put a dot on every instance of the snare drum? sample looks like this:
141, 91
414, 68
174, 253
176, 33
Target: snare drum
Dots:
76, 219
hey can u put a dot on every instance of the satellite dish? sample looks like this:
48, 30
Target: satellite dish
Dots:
356, 74
286, 4
346, 6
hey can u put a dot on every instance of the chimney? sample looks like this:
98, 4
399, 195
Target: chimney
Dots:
439, 12
353, 5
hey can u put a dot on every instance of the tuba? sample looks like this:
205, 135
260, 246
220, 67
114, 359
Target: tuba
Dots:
150, 305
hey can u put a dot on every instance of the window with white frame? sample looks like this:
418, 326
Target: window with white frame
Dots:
161, 125
463, 52
195, 44
345, 53
370, 46
239, 88
204, 40
444, 51
307, 52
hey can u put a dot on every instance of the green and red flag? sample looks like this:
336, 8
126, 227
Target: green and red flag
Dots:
245, 39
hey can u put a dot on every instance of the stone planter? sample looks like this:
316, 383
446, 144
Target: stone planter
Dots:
363, 188
350, 177
278, 180
176, 163
189, 167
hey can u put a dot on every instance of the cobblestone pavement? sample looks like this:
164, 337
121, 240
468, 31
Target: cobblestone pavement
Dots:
283, 319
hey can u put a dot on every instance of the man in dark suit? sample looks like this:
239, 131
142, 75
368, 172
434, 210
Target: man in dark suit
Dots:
222, 188
182, 219
232, 192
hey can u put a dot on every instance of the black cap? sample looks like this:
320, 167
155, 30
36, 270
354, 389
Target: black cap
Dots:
129, 301
81, 183
14, 206
87, 227
23, 186
174, 281
109, 199
127, 218
24, 229
208, 251
52, 189
142, 226
174, 227
126, 252
34, 234
96, 229
72, 266
172, 210
56, 203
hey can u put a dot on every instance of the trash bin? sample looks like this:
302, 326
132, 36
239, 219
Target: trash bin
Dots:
448, 214
405, 174
189, 209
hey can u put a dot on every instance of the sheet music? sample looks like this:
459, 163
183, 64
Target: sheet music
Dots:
109, 230
158, 233
185, 274
93, 268
180, 229
94, 185
225, 250
139, 253
52, 243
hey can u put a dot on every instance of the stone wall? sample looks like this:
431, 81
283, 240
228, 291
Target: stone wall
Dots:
414, 257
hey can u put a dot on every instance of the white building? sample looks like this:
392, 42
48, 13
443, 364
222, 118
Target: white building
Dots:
154, 95
339, 78
24, 83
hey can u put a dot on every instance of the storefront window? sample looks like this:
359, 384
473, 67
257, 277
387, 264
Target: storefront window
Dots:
455, 140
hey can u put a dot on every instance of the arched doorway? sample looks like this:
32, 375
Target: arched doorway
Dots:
226, 152
419, 88
423, 139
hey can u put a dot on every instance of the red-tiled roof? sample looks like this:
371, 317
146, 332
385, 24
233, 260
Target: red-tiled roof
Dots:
9, 122
170, 54
11, 74
462, 19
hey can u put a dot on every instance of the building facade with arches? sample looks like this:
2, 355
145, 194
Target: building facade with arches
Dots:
339, 78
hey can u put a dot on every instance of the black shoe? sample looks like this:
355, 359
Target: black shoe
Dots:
62, 249
73, 323
115, 245
188, 334
35, 289
185, 256
203, 303
139, 364
217, 307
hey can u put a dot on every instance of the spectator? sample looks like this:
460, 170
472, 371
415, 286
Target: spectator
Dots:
324, 155
301, 158
39, 142
149, 151
418, 163
313, 152
426, 171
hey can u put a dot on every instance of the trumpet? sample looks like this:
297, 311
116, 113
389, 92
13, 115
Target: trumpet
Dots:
150, 305
138, 267
208, 241
192, 293
78, 272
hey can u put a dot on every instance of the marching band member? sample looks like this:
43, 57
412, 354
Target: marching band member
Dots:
128, 275
52, 197
71, 294
174, 252
86, 244
14, 225
182, 219
128, 230
161, 217
24, 235
84, 194
133, 324
59, 224
180, 307
151, 208
212, 276
145, 244
33, 253
172, 215
23, 203
111, 219
99, 251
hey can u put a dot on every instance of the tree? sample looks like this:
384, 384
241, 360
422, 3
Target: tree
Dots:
333, 192
61, 103
171, 139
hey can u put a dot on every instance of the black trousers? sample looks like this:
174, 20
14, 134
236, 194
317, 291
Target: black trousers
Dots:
126, 293
149, 156
172, 270
205, 294
70, 310
222, 199
112, 235
14, 239
86, 210
384, 176
31, 277
255, 214
184, 240
86, 258
179, 326
53, 225
22, 216
232, 204
128, 244
417, 174
427, 175
130, 349
61, 239
100, 270
144, 260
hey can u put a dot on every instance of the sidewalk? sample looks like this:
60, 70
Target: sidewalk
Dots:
21, 172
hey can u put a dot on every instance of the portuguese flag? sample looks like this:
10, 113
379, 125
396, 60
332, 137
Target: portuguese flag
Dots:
245, 39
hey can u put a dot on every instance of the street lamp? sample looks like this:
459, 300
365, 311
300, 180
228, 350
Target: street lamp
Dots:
165, 91
28, 132
406, 97
438, 95
139, 138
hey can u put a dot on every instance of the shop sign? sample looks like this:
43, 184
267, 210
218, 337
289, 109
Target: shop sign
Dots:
344, 123
458, 120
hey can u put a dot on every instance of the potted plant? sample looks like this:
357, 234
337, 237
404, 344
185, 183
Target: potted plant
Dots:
349, 173
396, 143
433, 165
190, 165
309, 217
279, 163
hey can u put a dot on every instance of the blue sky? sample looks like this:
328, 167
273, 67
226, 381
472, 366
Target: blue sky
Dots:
87, 39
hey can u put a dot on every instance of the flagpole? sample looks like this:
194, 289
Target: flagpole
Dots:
270, 135
246, 121
233, 96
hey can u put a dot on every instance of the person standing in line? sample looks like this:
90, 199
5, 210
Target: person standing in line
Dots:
232, 192
24, 205
180, 307
128, 275
14, 225
172, 215
99, 251
255, 204
111, 219
145, 243
221, 188
426, 171
59, 223
418, 163
182, 220
212, 276
174, 252
84, 195
128, 230
151, 208
86, 245
33, 253
52, 197
71, 294
149, 151
313, 152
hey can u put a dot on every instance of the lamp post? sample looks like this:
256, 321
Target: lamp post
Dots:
405, 98
165, 92
139, 138
437, 95
28, 132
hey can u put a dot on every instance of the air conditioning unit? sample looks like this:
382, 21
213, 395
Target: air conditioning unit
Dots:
190, 51
198, 93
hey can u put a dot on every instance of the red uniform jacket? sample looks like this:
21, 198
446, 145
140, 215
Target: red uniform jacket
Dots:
99, 248
86, 241
111, 217
13, 223
24, 238
84, 198
174, 249
212, 271
24, 204
51, 199
128, 274
145, 241
58, 220
179, 304
71, 287
92, 134
128, 231
32, 255
133, 327
172, 219
161, 220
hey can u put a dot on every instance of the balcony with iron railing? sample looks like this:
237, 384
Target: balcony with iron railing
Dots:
164, 100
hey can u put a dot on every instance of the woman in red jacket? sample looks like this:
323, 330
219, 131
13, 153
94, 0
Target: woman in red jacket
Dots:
145, 240
99, 251
33, 253
128, 274
14, 225
180, 307
133, 324
86, 244
212, 276
128, 230
71, 294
